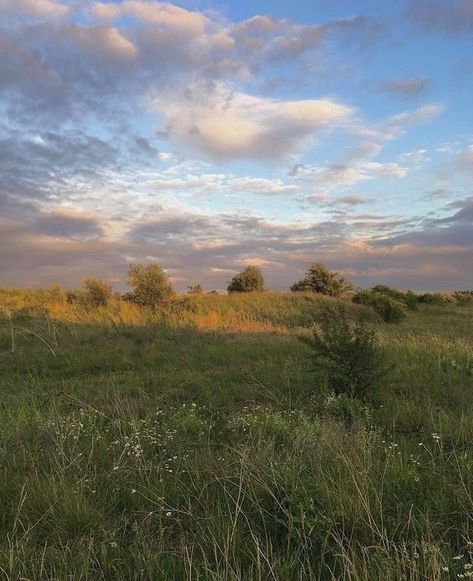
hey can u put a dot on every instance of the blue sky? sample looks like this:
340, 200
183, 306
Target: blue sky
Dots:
211, 135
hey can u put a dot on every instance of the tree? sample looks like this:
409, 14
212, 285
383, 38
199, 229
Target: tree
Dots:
150, 284
248, 280
319, 279
97, 293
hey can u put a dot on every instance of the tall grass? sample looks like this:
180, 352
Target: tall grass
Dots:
264, 311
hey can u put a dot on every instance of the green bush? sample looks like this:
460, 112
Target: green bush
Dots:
389, 309
349, 355
409, 298
319, 279
436, 299
249, 280
150, 284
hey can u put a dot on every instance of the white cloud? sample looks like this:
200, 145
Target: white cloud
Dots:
155, 13
339, 177
261, 186
397, 124
233, 125
104, 41
36, 8
222, 184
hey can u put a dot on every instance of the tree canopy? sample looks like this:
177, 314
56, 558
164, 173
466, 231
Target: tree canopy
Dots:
248, 280
150, 284
319, 279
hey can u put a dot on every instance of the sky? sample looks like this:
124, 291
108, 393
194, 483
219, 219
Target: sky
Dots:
211, 135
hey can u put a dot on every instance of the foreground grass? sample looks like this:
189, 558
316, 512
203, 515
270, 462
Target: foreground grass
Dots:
180, 450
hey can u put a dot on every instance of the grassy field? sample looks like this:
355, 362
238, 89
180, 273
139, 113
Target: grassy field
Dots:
201, 443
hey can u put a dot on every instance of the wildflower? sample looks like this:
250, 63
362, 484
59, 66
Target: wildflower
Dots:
133, 490
169, 513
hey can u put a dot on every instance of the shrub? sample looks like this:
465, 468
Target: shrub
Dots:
464, 297
97, 293
150, 284
349, 355
436, 298
408, 298
411, 300
249, 280
319, 279
389, 309
56, 293
73, 297
195, 289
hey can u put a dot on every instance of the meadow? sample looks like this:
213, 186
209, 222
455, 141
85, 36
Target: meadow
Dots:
200, 442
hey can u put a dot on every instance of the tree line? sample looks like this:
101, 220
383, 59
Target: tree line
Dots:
150, 285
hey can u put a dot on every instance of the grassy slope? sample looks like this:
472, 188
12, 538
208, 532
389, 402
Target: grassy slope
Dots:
177, 452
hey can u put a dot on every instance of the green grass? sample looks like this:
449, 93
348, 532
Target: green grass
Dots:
188, 449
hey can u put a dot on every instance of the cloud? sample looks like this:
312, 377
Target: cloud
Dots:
230, 124
397, 125
353, 200
64, 223
155, 13
343, 175
407, 87
263, 186
358, 163
454, 230
102, 41
465, 160
209, 247
40, 165
42, 9
449, 17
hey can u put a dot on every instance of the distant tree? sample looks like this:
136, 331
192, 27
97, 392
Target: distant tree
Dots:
150, 284
195, 289
97, 293
319, 279
248, 280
